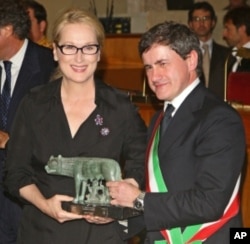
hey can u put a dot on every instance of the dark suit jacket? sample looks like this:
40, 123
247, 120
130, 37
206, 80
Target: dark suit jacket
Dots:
36, 69
244, 65
201, 156
217, 69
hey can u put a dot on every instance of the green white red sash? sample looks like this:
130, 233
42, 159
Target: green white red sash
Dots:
194, 234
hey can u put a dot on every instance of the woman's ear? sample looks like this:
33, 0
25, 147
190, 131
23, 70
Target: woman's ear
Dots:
99, 56
55, 51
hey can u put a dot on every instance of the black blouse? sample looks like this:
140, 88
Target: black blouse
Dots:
113, 130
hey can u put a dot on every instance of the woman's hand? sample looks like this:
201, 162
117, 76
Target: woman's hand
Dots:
51, 206
97, 220
54, 209
56, 212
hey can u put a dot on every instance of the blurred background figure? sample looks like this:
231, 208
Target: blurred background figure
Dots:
236, 33
23, 65
235, 4
39, 23
202, 21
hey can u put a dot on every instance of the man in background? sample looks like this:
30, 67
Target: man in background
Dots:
39, 23
202, 21
236, 33
23, 65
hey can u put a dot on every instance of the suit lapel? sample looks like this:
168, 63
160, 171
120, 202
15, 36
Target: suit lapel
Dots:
26, 78
29, 68
182, 119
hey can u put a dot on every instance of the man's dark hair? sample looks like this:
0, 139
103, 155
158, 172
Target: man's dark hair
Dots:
204, 6
239, 16
39, 10
176, 36
13, 13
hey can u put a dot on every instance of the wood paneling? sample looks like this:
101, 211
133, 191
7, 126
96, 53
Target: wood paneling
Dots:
148, 110
120, 64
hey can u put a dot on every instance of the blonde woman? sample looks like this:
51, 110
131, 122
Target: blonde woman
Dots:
75, 115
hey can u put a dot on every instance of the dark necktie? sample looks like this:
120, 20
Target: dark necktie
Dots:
6, 92
166, 118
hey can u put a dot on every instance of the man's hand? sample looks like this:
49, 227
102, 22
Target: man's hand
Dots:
123, 192
4, 137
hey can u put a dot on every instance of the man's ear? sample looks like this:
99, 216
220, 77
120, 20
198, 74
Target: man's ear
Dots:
213, 24
6, 30
43, 26
192, 60
242, 30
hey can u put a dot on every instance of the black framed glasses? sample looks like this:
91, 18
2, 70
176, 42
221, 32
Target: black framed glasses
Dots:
71, 49
201, 19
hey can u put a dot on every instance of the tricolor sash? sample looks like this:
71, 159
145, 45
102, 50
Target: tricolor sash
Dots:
194, 234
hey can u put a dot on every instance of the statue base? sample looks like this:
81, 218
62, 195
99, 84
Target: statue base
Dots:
110, 211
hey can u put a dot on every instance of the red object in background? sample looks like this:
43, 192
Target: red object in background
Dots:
238, 87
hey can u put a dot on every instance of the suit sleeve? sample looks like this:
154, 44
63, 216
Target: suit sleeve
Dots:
19, 172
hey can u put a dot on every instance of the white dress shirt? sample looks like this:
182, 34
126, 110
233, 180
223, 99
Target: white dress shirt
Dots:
16, 61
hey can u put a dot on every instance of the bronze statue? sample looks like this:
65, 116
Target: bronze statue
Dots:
90, 176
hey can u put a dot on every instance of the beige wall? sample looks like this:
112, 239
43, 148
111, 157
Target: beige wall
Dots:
144, 13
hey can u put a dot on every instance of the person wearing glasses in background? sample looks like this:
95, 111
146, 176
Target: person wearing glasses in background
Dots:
202, 21
73, 116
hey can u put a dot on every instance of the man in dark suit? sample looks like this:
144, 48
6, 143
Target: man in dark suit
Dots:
193, 167
236, 33
31, 65
202, 20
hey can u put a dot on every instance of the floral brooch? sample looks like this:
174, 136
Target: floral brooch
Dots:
99, 122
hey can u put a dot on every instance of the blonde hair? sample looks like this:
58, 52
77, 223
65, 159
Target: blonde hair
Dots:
76, 15
71, 16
